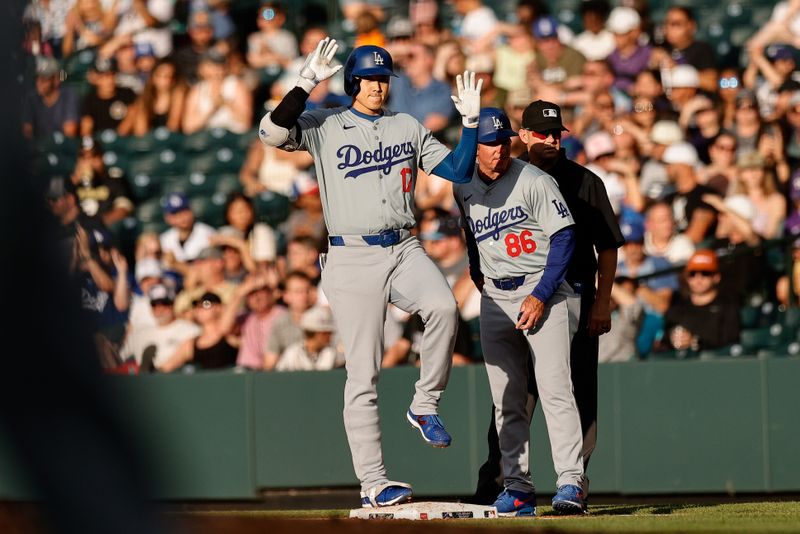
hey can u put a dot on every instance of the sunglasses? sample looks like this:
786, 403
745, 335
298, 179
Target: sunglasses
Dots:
731, 82
726, 148
745, 105
161, 302
704, 274
545, 134
643, 107
205, 304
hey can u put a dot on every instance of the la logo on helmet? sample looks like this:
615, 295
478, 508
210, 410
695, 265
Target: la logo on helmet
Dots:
378, 58
498, 124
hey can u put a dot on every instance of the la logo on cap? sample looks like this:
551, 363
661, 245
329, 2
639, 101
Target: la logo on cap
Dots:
175, 201
378, 58
550, 112
498, 124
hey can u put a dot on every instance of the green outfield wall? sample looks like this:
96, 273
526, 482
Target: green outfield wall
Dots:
723, 426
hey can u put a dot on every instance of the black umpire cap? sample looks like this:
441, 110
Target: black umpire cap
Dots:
493, 125
541, 116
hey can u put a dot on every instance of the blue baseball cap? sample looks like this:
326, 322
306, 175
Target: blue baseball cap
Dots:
144, 49
777, 52
176, 202
493, 125
545, 27
632, 229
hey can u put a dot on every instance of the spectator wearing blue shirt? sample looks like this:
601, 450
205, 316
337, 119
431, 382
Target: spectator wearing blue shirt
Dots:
417, 93
51, 108
656, 292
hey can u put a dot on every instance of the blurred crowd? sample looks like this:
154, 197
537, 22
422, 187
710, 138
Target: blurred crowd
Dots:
700, 157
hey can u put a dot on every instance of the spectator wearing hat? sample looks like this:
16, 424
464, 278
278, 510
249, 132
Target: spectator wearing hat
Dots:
477, 21
655, 292
85, 27
152, 345
123, 52
707, 318
629, 57
654, 182
693, 216
146, 60
51, 108
206, 274
201, 40
683, 83
272, 46
218, 100
660, 239
767, 70
100, 194
315, 352
107, 105
262, 312
758, 185
143, 21
147, 273
558, 64
681, 47
214, 347
299, 295
599, 149
595, 41
417, 93
186, 237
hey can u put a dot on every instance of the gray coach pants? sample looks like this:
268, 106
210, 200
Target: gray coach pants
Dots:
358, 281
505, 350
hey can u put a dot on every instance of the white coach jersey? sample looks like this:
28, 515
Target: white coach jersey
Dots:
367, 169
512, 219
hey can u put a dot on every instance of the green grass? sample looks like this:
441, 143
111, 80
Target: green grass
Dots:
667, 518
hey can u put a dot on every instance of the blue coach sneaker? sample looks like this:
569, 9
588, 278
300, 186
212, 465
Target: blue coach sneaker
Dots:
431, 428
569, 500
512, 503
386, 494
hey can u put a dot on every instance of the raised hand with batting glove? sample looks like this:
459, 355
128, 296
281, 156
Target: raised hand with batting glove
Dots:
468, 101
318, 66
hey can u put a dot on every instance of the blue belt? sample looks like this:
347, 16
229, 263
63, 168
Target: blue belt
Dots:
509, 284
387, 238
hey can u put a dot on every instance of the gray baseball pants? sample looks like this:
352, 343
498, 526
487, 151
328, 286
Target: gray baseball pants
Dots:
358, 281
505, 350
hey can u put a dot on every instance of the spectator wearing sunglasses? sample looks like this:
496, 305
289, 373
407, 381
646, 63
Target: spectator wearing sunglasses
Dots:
706, 318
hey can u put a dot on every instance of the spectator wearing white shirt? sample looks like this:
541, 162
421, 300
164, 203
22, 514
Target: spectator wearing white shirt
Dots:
146, 21
595, 41
477, 21
315, 352
152, 346
186, 237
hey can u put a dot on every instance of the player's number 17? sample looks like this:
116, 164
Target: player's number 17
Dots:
516, 244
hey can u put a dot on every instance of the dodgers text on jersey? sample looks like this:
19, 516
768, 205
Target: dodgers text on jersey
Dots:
494, 222
383, 158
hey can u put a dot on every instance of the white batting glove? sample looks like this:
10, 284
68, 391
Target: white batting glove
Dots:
468, 101
318, 65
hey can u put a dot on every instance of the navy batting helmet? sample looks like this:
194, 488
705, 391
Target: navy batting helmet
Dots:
368, 60
493, 125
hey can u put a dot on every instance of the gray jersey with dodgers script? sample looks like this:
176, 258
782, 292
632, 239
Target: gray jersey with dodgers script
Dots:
367, 169
512, 219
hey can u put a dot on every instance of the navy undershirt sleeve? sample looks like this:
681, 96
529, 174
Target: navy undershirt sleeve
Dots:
459, 164
562, 243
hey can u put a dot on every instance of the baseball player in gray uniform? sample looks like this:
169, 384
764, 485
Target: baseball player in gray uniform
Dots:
520, 238
366, 160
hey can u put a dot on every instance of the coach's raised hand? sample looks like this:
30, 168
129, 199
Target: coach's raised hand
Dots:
468, 101
318, 65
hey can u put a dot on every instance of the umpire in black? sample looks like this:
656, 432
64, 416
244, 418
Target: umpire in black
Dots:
597, 238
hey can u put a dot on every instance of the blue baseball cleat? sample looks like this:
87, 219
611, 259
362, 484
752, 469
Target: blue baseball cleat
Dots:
512, 503
569, 500
386, 495
431, 428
